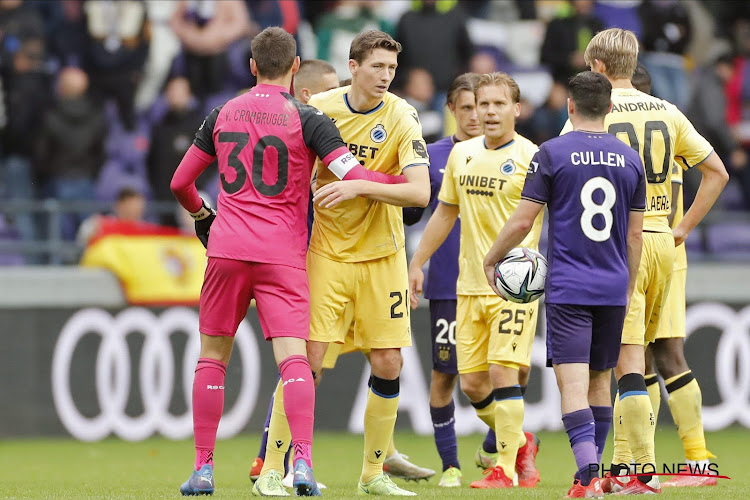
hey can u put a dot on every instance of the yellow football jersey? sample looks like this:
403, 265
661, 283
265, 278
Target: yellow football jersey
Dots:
486, 186
386, 139
680, 254
660, 133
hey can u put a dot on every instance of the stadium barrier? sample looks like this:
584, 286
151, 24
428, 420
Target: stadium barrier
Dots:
78, 361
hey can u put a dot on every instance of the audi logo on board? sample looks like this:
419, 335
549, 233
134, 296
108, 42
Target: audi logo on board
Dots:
155, 372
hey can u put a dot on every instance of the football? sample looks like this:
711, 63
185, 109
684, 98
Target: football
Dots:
521, 275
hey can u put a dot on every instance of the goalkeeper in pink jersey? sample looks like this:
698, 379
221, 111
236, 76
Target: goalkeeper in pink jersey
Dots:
265, 142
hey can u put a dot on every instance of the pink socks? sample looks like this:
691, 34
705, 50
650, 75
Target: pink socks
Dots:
208, 404
299, 404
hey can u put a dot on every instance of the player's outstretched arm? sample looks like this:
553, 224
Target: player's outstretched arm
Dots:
514, 231
414, 192
437, 230
635, 247
715, 177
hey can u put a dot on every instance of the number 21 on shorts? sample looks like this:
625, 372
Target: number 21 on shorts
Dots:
401, 302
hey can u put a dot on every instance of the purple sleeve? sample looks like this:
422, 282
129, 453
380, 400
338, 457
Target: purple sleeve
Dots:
638, 202
537, 186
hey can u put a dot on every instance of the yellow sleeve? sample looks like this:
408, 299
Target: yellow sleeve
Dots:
568, 127
412, 150
448, 193
690, 148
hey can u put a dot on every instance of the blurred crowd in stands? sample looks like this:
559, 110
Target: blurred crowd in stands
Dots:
103, 97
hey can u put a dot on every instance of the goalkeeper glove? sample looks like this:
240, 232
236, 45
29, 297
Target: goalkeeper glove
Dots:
203, 220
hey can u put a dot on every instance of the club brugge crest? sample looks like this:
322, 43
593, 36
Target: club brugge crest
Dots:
378, 134
508, 167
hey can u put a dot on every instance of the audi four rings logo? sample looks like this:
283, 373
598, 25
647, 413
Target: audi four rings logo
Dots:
732, 361
156, 374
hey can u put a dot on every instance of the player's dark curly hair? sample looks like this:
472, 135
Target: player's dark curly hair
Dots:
367, 41
592, 94
641, 79
273, 51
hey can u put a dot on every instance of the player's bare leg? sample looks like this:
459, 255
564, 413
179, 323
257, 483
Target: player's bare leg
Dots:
685, 403
441, 388
208, 405
397, 464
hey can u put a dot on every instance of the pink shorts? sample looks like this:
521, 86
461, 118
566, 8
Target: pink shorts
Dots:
281, 293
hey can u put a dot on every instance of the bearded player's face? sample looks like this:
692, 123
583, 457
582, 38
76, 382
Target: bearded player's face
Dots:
376, 72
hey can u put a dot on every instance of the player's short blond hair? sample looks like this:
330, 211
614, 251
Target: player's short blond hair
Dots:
499, 79
310, 70
617, 49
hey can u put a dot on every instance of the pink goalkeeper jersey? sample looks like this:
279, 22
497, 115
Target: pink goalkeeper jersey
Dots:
265, 142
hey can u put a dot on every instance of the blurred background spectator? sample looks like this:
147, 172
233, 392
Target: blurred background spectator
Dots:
206, 29
115, 52
567, 37
435, 37
666, 34
707, 111
127, 211
336, 29
419, 91
26, 87
70, 145
171, 137
134, 79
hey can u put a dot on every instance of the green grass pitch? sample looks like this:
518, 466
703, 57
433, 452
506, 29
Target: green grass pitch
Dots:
66, 469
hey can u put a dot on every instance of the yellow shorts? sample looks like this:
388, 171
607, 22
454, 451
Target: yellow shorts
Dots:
492, 330
335, 349
651, 289
673, 324
377, 291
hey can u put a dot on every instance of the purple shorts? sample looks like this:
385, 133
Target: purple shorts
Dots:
584, 334
443, 320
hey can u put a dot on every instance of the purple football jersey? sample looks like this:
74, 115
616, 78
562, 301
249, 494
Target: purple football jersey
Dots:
590, 183
440, 283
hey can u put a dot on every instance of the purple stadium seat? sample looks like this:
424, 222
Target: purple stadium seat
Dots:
214, 100
9, 233
731, 198
619, 15
729, 240
694, 245
114, 176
